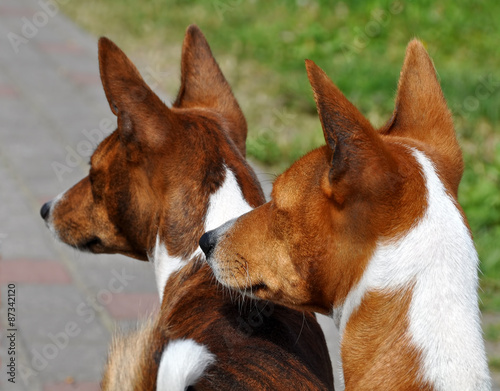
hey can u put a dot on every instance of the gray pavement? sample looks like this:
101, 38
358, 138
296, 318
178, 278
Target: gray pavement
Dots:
51, 108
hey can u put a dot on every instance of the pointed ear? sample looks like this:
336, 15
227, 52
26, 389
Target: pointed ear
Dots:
421, 112
129, 97
347, 132
204, 85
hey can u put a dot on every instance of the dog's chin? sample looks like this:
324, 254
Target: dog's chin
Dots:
255, 291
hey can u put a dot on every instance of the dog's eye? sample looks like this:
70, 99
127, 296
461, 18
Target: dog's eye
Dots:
92, 176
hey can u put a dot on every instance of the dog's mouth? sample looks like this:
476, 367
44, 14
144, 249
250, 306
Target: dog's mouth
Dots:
256, 288
93, 245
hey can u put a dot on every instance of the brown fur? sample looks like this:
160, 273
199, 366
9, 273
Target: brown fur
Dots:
129, 355
154, 176
310, 245
422, 115
377, 334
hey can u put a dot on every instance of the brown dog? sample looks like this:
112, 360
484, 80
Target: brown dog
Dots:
368, 229
162, 178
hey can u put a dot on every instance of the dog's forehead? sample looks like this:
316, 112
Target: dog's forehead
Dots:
285, 191
104, 148
300, 182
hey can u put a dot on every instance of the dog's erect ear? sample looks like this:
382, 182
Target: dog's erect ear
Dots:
129, 97
204, 85
421, 112
347, 132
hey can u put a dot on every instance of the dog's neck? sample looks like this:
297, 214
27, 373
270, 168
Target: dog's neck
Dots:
426, 282
226, 203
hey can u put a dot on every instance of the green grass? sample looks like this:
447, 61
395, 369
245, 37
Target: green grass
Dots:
494, 363
261, 46
492, 332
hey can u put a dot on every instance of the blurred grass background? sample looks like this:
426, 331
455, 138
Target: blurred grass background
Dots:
261, 47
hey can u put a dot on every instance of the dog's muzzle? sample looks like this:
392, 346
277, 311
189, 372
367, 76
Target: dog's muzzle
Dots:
210, 239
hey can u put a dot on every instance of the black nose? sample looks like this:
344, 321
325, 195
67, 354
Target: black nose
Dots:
207, 243
44, 212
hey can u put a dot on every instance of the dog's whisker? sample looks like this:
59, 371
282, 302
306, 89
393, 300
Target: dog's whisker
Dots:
301, 328
238, 293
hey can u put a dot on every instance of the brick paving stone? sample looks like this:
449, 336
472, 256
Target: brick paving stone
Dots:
50, 93
9, 91
105, 270
72, 387
33, 271
132, 305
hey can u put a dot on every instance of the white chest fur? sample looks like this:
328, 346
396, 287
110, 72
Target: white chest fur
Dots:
439, 258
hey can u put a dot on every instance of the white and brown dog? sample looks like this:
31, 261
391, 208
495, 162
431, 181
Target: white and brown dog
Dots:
162, 178
368, 229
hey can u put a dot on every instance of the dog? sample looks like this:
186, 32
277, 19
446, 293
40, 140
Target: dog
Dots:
368, 229
162, 178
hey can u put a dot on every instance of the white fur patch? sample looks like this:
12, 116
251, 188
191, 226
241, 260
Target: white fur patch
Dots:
164, 264
182, 365
439, 257
50, 220
225, 204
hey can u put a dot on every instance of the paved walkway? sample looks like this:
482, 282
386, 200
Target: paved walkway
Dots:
52, 108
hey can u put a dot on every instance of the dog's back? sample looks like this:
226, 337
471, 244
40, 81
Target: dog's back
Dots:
254, 346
